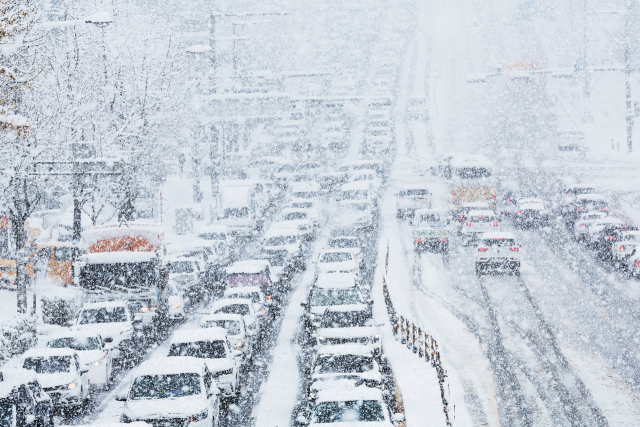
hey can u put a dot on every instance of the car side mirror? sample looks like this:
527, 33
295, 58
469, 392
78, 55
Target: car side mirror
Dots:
398, 418
236, 354
108, 347
410, 222
121, 397
83, 371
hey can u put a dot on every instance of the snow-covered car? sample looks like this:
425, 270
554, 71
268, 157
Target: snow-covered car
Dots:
22, 399
347, 316
291, 239
570, 193
301, 178
430, 230
332, 289
497, 252
378, 140
409, 199
331, 181
298, 219
581, 225
243, 307
352, 407
306, 191
348, 242
417, 108
356, 192
286, 171
255, 272
220, 240
477, 223
337, 261
370, 177
112, 320
462, 210
364, 335
93, 352
532, 213
344, 366
356, 216
60, 374
175, 301
356, 165
598, 233
236, 331
252, 293
186, 272
590, 203
627, 244
168, 390
334, 136
310, 206
211, 345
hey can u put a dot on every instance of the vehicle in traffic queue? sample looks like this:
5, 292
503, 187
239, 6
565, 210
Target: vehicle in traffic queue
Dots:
353, 407
297, 219
477, 223
291, 239
626, 245
411, 198
430, 230
602, 232
243, 307
462, 210
571, 140
306, 191
253, 293
368, 336
186, 272
344, 366
113, 321
337, 261
210, 344
236, 329
355, 215
569, 194
172, 391
93, 352
497, 252
255, 272
60, 374
176, 302
355, 244
331, 289
23, 402
370, 177
310, 206
379, 139
532, 213
581, 225
588, 203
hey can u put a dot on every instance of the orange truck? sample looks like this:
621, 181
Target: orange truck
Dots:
124, 262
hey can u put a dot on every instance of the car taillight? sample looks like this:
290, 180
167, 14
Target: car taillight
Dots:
603, 209
494, 224
419, 240
611, 238
581, 225
482, 249
469, 224
514, 249
444, 240
494, 197
399, 198
461, 218
453, 196
622, 248
637, 263
520, 212
580, 209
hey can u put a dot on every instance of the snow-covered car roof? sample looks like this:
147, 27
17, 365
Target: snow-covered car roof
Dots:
223, 302
252, 266
282, 231
349, 394
379, 128
118, 257
70, 333
48, 352
364, 172
428, 212
242, 290
594, 197
268, 160
355, 349
221, 316
12, 378
213, 229
343, 308
335, 281
531, 200
532, 205
352, 332
181, 256
356, 163
305, 186
293, 210
107, 304
332, 250
481, 213
170, 366
474, 204
468, 160
356, 185
99, 424
200, 334
498, 235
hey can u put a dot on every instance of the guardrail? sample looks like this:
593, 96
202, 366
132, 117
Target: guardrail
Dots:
416, 339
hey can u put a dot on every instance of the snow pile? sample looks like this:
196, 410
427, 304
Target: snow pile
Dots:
17, 336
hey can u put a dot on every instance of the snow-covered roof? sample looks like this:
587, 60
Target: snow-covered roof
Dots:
70, 333
355, 349
427, 212
107, 304
470, 160
221, 316
532, 205
200, 334
481, 213
498, 235
357, 185
336, 281
48, 352
531, 200
349, 394
282, 231
171, 366
242, 290
118, 257
357, 331
594, 197
12, 378
305, 186
253, 266
223, 302
213, 229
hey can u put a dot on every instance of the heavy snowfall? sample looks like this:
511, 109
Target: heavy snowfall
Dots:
343, 212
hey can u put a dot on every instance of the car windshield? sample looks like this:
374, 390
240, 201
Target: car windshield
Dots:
345, 319
213, 236
367, 177
578, 191
232, 327
302, 205
80, 344
6, 412
202, 349
336, 257
63, 254
344, 243
48, 365
355, 194
361, 207
344, 364
348, 411
413, 192
182, 267
280, 241
253, 296
241, 309
258, 279
327, 297
305, 194
236, 213
103, 315
482, 218
292, 216
151, 387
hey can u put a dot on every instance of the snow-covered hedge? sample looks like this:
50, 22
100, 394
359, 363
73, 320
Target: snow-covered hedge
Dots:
17, 337
59, 305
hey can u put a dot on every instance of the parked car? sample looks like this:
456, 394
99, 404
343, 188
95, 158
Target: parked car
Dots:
236, 329
170, 390
497, 252
60, 373
210, 344
23, 402
93, 352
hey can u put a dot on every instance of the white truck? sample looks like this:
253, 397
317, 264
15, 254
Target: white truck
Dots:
241, 207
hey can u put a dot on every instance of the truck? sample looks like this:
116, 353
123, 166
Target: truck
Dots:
125, 262
241, 207
470, 181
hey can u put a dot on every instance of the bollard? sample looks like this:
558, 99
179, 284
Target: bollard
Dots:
420, 343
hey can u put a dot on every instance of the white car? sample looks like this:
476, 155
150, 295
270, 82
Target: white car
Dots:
344, 366
332, 289
306, 191
581, 226
352, 407
410, 199
570, 193
334, 136
252, 293
368, 336
497, 252
175, 302
348, 242
60, 373
94, 354
211, 345
357, 192
370, 177
236, 331
337, 261
290, 239
243, 307
298, 219
186, 272
627, 245
378, 139
355, 215
169, 390
477, 223
310, 206
532, 213
595, 231
112, 320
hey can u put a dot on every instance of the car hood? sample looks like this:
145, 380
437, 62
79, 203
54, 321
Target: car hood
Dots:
336, 266
106, 330
53, 380
165, 408
217, 365
90, 356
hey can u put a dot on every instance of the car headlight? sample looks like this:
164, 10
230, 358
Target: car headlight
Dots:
144, 309
199, 417
96, 363
239, 345
72, 385
313, 316
322, 340
176, 305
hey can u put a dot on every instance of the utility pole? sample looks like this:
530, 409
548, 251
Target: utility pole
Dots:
629, 114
